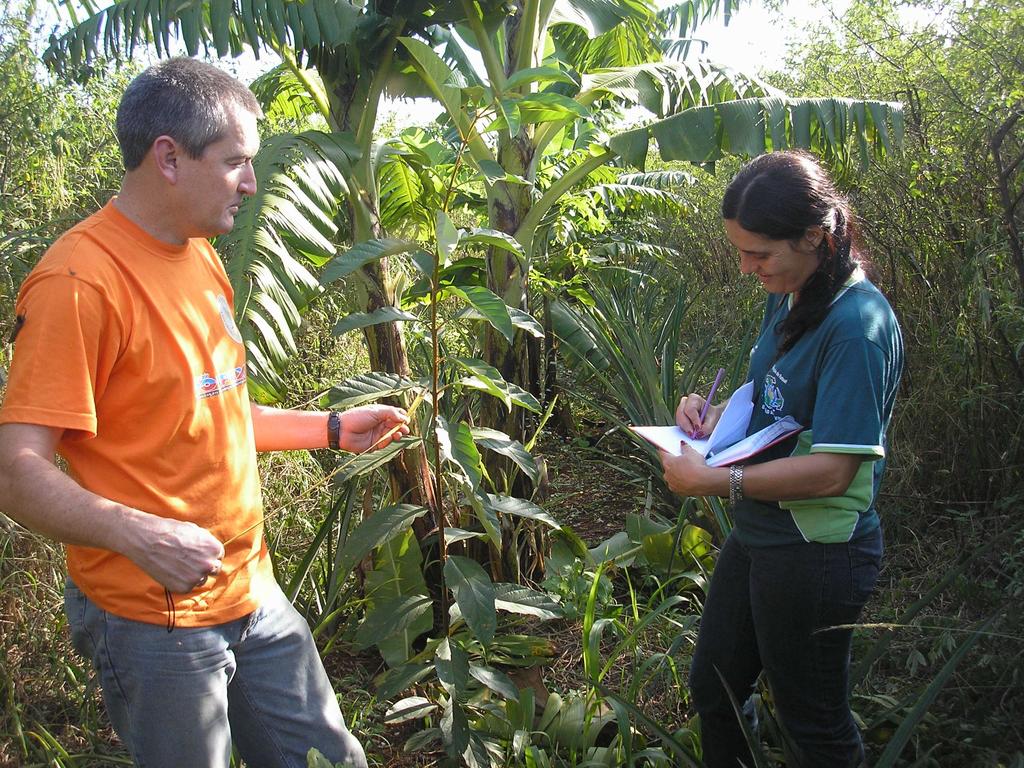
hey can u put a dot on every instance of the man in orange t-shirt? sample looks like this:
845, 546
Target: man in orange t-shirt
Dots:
129, 365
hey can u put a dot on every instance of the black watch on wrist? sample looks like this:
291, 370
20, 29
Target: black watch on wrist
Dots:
333, 430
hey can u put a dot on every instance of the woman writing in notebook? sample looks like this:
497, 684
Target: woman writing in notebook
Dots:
805, 551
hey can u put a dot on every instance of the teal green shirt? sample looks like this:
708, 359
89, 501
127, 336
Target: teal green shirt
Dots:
839, 381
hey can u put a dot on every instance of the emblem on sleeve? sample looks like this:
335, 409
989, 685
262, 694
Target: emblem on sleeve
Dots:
228, 318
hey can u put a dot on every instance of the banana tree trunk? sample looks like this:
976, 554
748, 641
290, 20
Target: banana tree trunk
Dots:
353, 101
507, 277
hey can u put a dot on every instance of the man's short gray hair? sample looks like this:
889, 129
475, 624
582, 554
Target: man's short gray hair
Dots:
186, 99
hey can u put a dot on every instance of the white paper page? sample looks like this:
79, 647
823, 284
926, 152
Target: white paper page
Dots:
732, 426
670, 439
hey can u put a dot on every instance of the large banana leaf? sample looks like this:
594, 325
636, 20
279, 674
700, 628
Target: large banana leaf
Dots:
830, 126
282, 94
667, 87
224, 26
282, 233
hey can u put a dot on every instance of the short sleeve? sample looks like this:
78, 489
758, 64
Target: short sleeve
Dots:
64, 352
849, 407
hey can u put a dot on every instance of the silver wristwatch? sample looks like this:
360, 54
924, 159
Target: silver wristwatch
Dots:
735, 484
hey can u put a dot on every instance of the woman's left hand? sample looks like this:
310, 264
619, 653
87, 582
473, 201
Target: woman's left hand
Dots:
686, 474
367, 427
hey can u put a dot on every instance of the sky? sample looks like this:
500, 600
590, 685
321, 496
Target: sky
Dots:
757, 38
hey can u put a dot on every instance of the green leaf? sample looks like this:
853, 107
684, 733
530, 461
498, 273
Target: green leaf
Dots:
522, 398
433, 68
752, 126
487, 378
424, 262
476, 753
523, 600
398, 605
362, 254
691, 135
510, 505
495, 239
484, 377
496, 680
536, 108
501, 443
474, 594
488, 304
452, 666
508, 117
368, 388
424, 740
366, 319
575, 337
455, 727
315, 759
683, 755
632, 146
401, 190
596, 17
618, 549
447, 237
374, 529
491, 170
520, 319
458, 449
392, 616
281, 232
362, 463
397, 679
905, 732
538, 75
455, 535
744, 125
487, 516
409, 708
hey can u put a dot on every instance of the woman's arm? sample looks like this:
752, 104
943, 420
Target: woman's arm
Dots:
814, 476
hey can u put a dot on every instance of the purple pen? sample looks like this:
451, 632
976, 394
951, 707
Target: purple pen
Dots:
711, 394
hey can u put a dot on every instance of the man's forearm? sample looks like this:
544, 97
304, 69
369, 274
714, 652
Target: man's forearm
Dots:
34, 492
279, 429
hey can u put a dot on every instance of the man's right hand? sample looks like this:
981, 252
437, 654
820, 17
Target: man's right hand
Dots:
180, 556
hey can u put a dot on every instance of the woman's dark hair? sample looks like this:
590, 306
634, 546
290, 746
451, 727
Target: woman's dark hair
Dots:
780, 196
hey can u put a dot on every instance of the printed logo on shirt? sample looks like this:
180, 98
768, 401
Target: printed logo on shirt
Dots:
772, 400
209, 385
228, 318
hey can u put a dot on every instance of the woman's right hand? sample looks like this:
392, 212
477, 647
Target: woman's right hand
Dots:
688, 416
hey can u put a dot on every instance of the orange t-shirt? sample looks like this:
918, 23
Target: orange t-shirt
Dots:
129, 345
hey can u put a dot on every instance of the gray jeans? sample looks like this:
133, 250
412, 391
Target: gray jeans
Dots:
181, 698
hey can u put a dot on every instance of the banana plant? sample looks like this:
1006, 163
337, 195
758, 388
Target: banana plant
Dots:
553, 69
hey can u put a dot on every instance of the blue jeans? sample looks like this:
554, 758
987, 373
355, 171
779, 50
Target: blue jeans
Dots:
181, 698
769, 608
